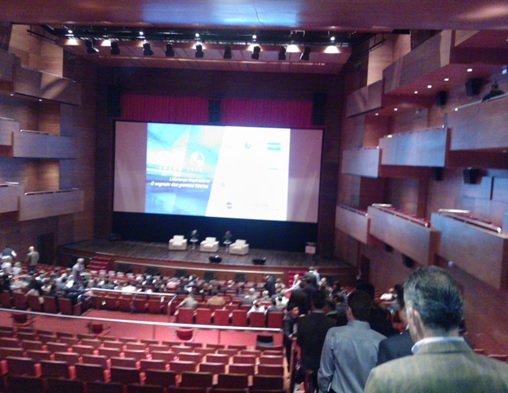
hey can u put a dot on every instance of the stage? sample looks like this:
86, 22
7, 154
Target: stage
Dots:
140, 255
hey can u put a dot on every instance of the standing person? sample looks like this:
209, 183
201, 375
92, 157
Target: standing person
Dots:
350, 352
442, 361
8, 254
32, 258
77, 269
311, 333
289, 324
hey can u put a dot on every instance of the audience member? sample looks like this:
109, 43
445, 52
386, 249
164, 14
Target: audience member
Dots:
311, 333
217, 299
312, 275
299, 298
77, 269
350, 352
289, 327
269, 284
32, 258
397, 345
256, 307
8, 254
442, 361
188, 302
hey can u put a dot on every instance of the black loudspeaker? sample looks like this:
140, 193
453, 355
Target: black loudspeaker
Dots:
318, 109
114, 109
473, 86
214, 111
436, 173
215, 259
471, 175
259, 261
440, 98
407, 261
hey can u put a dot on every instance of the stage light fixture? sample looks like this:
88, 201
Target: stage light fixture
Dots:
282, 53
115, 49
227, 52
170, 52
306, 54
90, 49
147, 50
255, 53
199, 51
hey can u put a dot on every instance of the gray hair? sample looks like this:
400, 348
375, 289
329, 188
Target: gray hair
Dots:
433, 293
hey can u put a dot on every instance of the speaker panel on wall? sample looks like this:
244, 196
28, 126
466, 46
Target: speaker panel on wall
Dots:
440, 98
258, 261
318, 109
214, 111
407, 261
436, 173
114, 109
473, 86
471, 175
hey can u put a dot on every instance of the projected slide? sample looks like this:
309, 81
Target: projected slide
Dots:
217, 171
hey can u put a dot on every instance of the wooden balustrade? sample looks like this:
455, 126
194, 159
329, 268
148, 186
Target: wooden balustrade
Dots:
411, 236
41, 204
480, 126
364, 100
417, 148
9, 194
362, 162
479, 251
41, 145
354, 223
38, 84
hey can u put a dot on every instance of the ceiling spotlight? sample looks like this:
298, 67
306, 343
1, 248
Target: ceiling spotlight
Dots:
255, 53
170, 52
227, 52
282, 53
147, 50
69, 31
90, 48
332, 38
199, 51
141, 32
254, 37
306, 54
197, 36
115, 49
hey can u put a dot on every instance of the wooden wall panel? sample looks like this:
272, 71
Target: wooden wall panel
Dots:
500, 189
9, 195
46, 204
33, 145
354, 223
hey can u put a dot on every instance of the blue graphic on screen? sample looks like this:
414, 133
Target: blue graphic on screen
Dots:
180, 167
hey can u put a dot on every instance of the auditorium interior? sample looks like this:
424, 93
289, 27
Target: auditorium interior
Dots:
409, 99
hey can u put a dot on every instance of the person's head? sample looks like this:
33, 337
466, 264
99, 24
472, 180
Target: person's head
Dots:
293, 310
359, 304
31, 248
318, 300
433, 303
81, 261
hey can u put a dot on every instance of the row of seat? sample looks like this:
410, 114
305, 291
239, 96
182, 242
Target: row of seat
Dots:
23, 384
225, 317
50, 304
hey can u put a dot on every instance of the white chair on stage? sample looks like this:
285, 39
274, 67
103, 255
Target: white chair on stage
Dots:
210, 244
178, 242
240, 247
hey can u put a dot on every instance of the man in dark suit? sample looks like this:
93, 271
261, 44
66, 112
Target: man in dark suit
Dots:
397, 345
442, 361
311, 333
299, 298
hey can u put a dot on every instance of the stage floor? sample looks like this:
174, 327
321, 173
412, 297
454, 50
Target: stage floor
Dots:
159, 251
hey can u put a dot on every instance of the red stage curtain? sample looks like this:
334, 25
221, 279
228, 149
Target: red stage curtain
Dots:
239, 112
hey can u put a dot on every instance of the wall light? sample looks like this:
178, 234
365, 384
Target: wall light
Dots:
306, 54
255, 53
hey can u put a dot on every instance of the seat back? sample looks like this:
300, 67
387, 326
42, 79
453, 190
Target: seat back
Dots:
232, 381
21, 366
257, 319
54, 369
90, 372
239, 318
61, 385
160, 378
124, 375
196, 379
267, 382
274, 319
